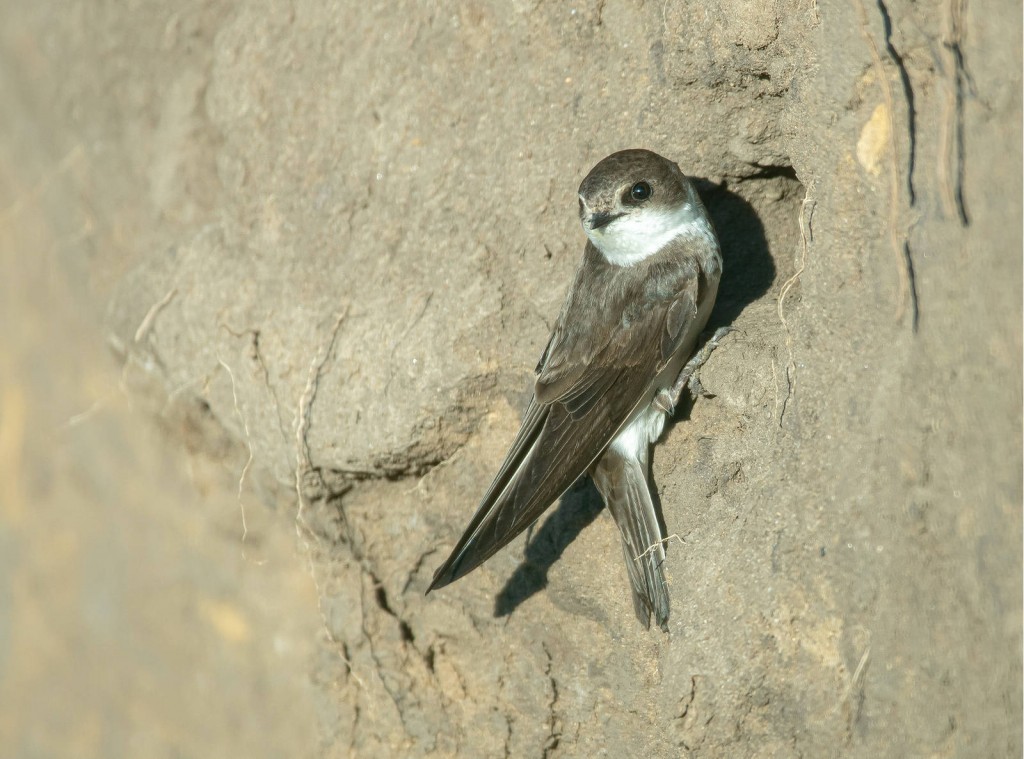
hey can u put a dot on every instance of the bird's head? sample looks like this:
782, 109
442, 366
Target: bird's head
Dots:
635, 202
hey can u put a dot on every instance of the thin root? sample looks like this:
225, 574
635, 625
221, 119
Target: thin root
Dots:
302, 466
654, 546
147, 321
248, 463
805, 235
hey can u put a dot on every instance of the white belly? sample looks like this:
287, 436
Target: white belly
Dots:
645, 425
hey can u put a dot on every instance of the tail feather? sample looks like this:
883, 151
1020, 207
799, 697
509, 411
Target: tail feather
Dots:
622, 481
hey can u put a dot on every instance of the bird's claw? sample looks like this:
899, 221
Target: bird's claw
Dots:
688, 377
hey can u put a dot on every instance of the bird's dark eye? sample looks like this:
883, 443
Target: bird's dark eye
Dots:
640, 191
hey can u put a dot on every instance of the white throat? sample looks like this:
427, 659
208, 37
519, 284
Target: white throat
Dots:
636, 236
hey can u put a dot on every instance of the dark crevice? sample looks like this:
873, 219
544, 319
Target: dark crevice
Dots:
555, 734
686, 703
764, 172
381, 597
912, 285
962, 85
961, 205
908, 93
508, 737
405, 631
393, 692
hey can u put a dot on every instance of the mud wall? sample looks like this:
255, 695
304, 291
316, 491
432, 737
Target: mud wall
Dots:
326, 241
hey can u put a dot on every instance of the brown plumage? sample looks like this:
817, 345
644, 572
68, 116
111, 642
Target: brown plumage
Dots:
629, 322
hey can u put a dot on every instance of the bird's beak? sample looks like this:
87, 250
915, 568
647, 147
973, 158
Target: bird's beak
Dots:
598, 220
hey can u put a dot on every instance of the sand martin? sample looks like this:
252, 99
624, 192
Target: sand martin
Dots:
613, 369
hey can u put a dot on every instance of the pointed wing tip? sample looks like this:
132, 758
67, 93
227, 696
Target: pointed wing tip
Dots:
454, 567
443, 576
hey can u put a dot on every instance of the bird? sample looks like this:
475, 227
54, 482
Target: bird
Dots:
618, 358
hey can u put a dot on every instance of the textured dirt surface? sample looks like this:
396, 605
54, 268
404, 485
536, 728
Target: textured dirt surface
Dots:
275, 278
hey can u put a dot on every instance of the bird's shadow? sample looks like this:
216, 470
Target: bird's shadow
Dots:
748, 273
748, 269
578, 507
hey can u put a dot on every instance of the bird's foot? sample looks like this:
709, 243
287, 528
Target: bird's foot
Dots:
689, 376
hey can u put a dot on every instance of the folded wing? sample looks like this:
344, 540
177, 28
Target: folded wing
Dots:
587, 389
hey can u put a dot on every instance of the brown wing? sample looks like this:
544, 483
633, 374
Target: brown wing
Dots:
576, 411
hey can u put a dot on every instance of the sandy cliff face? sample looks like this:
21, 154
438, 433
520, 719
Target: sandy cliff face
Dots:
326, 243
